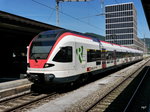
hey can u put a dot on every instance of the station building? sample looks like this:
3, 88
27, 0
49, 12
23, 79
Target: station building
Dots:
16, 34
121, 25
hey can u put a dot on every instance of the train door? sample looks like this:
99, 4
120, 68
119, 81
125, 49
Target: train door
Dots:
103, 56
71, 48
80, 57
115, 63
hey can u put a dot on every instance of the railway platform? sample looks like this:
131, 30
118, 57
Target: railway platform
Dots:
10, 88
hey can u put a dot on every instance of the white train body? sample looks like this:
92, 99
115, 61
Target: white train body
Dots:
61, 56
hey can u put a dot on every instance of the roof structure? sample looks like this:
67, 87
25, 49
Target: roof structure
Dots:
16, 33
11, 24
146, 6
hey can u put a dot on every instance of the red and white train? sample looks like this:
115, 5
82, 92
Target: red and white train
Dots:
62, 56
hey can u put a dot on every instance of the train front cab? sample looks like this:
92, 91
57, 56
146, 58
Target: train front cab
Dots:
50, 60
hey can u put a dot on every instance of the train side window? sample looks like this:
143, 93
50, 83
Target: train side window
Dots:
90, 55
93, 55
98, 55
119, 55
110, 55
103, 54
64, 55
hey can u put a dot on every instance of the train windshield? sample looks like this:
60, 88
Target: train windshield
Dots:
40, 49
42, 44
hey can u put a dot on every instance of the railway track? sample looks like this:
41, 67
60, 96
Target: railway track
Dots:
103, 103
23, 101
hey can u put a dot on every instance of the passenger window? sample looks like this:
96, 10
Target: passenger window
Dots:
93, 55
64, 55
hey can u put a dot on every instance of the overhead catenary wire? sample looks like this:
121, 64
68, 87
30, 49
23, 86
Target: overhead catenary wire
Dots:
101, 14
68, 15
116, 1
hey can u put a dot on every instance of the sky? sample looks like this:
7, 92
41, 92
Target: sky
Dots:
77, 16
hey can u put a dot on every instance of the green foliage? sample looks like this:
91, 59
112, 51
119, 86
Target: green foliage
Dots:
147, 41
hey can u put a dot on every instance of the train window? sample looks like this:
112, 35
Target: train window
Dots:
90, 55
47, 36
40, 49
64, 55
118, 54
103, 54
98, 55
110, 55
93, 55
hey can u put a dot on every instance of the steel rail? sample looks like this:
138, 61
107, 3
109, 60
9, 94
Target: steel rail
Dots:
22, 101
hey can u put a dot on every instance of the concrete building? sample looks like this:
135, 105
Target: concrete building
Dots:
121, 25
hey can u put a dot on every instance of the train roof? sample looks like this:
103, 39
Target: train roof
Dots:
104, 44
119, 48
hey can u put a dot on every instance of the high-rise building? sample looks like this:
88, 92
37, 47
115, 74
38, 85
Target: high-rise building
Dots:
121, 25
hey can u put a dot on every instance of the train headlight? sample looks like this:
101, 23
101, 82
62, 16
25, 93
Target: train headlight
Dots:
48, 65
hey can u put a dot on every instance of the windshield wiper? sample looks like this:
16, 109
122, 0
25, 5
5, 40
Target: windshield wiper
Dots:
32, 55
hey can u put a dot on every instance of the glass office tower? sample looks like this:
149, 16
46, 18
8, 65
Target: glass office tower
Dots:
121, 25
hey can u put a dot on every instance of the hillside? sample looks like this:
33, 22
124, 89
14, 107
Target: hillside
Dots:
147, 41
